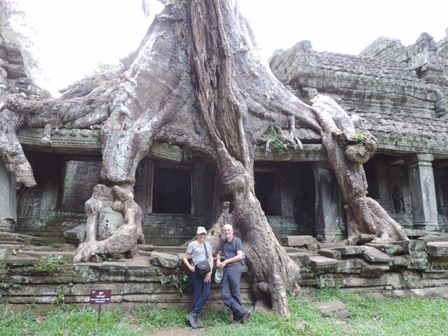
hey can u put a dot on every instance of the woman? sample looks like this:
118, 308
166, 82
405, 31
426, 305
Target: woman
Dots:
198, 251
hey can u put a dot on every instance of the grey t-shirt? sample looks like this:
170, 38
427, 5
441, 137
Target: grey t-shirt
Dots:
197, 251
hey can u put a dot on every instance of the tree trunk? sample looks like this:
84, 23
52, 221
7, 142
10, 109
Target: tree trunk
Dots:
196, 81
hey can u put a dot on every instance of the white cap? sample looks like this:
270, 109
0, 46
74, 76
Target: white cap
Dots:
218, 275
200, 230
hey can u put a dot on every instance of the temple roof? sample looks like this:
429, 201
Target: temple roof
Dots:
400, 94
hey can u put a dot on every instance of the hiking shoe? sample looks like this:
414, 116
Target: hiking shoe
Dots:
199, 322
191, 319
235, 322
245, 317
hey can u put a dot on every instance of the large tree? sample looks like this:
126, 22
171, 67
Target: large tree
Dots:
197, 81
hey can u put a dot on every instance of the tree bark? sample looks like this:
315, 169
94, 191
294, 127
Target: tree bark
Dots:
196, 81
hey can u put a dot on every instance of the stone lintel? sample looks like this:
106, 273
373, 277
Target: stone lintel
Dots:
310, 153
419, 159
87, 142
65, 141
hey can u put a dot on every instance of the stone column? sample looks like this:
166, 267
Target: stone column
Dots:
8, 207
327, 215
422, 189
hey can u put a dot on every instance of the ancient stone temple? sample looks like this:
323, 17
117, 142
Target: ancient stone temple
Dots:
397, 93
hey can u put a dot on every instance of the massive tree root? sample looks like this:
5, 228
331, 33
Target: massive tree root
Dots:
197, 81
120, 199
346, 154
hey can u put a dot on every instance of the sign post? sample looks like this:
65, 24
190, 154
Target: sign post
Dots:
100, 297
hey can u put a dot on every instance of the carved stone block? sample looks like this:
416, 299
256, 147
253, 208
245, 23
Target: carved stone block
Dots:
109, 222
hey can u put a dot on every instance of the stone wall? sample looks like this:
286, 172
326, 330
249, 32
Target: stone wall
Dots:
411, 268
27, 279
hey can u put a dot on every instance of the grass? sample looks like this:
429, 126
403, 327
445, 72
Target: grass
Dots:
371, 316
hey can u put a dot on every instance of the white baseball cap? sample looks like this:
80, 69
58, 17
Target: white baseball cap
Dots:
200, 230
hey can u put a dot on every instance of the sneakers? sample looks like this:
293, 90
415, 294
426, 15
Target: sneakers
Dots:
245, 317
242, 319
235, 322
199, 322
191, 319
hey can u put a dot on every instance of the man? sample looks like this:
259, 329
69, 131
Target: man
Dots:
232, 250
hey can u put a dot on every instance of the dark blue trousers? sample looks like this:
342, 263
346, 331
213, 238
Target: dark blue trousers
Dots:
231, 290
201, 292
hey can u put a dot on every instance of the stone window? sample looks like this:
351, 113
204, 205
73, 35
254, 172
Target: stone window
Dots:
268, 191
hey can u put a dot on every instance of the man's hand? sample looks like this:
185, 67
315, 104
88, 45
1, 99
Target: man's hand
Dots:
208, 277
220, 264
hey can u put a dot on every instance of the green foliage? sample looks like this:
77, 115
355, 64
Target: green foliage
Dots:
152, 318
359, 137
103, 67
181, 282
308, 270
61, 322
6, 285
371, 316
277, 141
51, 264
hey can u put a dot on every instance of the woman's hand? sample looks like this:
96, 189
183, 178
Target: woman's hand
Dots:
208, 277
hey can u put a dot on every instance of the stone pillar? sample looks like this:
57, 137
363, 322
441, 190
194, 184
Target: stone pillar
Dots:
422, 190
327, 215
8, 207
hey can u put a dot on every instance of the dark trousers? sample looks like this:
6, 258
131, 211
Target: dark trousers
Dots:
231, 290
201, 292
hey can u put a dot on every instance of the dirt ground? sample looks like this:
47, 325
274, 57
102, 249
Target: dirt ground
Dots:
179, 332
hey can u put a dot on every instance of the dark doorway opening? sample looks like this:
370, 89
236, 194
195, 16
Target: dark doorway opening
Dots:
171, 190
371, 171
267, 190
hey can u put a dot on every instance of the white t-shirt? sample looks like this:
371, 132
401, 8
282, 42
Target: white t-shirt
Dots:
197, 251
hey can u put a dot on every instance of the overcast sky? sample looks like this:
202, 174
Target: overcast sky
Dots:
73, 36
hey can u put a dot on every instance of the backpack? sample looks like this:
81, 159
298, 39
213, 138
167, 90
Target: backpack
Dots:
243, 261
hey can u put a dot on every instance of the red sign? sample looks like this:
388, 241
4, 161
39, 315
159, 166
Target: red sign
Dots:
101, 296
